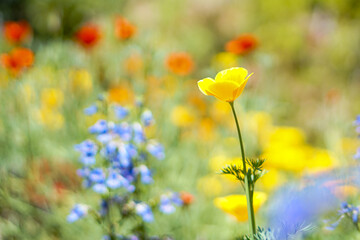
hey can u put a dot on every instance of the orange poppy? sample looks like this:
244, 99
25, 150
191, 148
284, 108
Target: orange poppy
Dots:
180, 63
242, 45
187, 198
88, 35
17, 60
16, 32
124, 29
121, 95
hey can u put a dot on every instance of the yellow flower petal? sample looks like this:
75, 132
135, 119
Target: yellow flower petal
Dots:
204, 85
232, 74
225, 91
241, 88
236, 204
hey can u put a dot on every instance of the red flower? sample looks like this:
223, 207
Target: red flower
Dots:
242, 45
88, 35
180, 63
123, 28
17, 60
187, 198
16, 32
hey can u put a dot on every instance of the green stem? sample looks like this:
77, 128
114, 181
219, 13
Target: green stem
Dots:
111, 225
249, 192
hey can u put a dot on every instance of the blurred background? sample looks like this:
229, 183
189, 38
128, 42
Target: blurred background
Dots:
297, 110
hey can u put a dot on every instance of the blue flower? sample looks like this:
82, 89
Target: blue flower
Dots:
147, 118
100, 188
78, 211
168, 202
156, 149
145, 174
357, 120
176, 199
120, 112
100, 127
109, 151
132, 150
293, 208
115, 180
104, 207
166, 205
88, 150
124, 130
346, 210
124, 156
139, 135
357, 154
83, 172
90, 110
144, 211
97, 176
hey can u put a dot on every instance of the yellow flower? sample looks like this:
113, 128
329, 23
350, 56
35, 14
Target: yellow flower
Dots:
235, 205
121, 94
52, 98
50, 118
272, 179
80, 81
227, 86
181, 116
287, 136
320, 160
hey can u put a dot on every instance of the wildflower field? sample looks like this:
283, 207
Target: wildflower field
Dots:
186, 120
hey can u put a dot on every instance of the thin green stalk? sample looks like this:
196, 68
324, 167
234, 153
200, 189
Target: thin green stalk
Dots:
248, 191
111, 224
